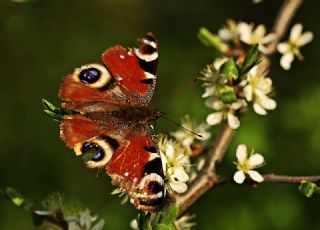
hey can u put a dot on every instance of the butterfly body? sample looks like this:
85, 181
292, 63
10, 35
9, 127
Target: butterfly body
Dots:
112, 124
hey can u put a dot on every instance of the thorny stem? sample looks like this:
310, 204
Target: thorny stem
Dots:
208, 177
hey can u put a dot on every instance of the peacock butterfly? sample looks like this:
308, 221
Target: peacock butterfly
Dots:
113, 120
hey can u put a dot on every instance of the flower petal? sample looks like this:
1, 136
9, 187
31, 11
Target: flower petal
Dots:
268, 103
164, 162
169, 151
239, 177
214, 118
286, 61
180, 174
305, 38
256, 160
259, 109
247, 91
255, 176
241, 153
259, 32
178, 187
238, 104
295, 32
269, 38
225, 34
233, 121
283, 47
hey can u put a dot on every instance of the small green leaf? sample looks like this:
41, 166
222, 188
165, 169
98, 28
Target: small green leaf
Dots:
170, 215
209, 39
227, 94
229, 69
164, 227
252, 58
307, 188
54, 116
144, 221
14, 196
54, 112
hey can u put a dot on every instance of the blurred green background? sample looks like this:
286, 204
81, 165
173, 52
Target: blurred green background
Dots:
41, 41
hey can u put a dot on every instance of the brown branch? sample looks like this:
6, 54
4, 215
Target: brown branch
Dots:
273, 178
208, 178
290, 179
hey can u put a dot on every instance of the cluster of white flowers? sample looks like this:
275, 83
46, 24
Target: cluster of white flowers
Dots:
256, 88
291, 48
188, 139
225, 112
176, 152
247, 34
229, 94
246, 163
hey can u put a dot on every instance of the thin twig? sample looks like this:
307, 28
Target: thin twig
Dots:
273, 178
208, 178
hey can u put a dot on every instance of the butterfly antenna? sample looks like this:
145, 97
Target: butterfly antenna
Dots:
177, 124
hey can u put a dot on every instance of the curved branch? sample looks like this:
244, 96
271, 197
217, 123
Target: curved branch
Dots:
208, 178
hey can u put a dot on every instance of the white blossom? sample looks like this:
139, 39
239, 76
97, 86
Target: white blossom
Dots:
246, 164
224, 112
256, 89
291, 48
229, 32
252, 36
211, 77
175, 163
187, 138
184, 222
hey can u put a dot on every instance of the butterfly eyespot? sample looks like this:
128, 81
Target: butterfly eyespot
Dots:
98, 150
93, 75
152, 192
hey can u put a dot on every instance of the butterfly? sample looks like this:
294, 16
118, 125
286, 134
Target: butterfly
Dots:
112, 122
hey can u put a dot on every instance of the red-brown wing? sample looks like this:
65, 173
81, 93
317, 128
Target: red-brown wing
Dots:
127, 79
133, 154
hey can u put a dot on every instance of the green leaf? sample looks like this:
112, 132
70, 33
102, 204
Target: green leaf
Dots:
144, 221
229, 69
209, 39
170, 215
14, 196
164, 227
227, 94
54, 112
307, 188
253, 58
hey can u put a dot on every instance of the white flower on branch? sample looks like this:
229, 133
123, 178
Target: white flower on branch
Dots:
246, 164
211, 77
291, 48
175, 163
252, 36
229, 32
187, 138
256, 89
225, 112
184, 222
